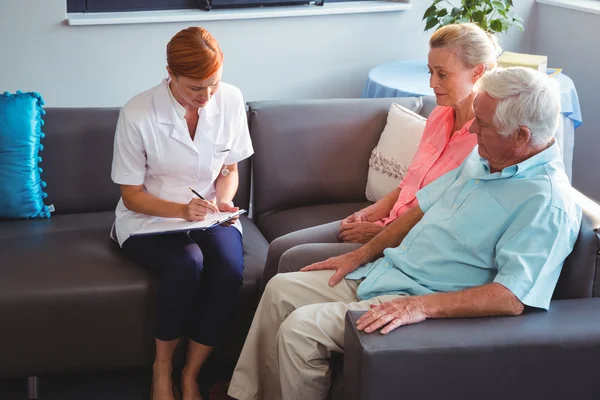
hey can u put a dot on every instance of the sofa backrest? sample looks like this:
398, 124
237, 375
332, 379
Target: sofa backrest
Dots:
317, 151
429, 104
77, 158
298, 159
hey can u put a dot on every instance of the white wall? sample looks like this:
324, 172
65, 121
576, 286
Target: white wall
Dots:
515, 40
570, 39
279, 58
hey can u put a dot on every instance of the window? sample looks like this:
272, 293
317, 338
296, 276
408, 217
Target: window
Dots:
91, 6
111, 12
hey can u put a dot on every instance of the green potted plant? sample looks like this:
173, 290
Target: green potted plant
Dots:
494, 16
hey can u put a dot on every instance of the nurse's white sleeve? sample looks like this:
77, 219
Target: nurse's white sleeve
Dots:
241, 147
129, 155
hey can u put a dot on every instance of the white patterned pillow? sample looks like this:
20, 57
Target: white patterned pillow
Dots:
397, 146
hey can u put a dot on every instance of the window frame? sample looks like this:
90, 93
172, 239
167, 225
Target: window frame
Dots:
97, 6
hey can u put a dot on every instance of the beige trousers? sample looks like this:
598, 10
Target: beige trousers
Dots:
298, 323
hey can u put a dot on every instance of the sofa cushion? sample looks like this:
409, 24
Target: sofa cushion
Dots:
394, 152
21, 186
71, 288
69, 293
62, 223
282, 222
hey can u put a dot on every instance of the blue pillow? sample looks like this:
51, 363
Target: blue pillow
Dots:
21, 187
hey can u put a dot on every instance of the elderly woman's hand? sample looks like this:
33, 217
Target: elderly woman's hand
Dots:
358, 232
404, 310
358, 216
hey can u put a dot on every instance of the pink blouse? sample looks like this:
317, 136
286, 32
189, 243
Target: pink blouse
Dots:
438, 153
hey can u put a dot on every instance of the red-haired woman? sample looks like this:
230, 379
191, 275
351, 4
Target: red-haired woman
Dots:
189, 131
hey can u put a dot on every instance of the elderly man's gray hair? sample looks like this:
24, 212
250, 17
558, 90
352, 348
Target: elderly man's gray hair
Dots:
525, 98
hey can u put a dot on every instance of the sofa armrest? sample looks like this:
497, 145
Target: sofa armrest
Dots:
580, 275
536, 355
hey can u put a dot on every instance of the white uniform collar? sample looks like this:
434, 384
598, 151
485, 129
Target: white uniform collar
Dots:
179, 109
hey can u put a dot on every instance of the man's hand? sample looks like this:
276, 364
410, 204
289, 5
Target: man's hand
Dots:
343, 265
404, 310
358, 232
226, 207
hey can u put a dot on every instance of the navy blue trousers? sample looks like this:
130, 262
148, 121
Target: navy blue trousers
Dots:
200, 278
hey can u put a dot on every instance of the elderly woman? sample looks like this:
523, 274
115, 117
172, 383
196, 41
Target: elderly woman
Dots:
459, 56
189, 131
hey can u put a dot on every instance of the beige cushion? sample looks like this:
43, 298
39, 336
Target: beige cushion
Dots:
397, 146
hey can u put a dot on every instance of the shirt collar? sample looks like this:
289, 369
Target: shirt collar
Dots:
211, 109
179, 109
465, 128
543, 157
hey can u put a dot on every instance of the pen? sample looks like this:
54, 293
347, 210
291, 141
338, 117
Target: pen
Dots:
197, 194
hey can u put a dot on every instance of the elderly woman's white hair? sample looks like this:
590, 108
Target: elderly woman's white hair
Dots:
525, 98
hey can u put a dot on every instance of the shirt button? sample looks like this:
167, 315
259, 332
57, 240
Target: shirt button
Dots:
402, 247
455, 206
476, 180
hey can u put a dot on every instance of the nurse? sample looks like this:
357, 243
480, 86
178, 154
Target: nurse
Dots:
189, 131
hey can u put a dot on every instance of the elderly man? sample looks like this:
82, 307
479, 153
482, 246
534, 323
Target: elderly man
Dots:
488, 238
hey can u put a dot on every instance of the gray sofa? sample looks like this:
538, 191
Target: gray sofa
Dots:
70, 301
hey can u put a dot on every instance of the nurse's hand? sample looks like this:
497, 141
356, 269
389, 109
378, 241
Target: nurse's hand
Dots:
226, 207
359, 232
197, 209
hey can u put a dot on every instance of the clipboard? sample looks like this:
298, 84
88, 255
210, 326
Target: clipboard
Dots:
160, 226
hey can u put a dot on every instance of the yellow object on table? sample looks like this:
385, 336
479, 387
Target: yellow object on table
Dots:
510, 59
553, 71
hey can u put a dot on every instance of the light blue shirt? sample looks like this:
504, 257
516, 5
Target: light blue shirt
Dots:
514, 227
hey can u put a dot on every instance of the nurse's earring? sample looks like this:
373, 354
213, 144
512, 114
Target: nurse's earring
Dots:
225, 171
